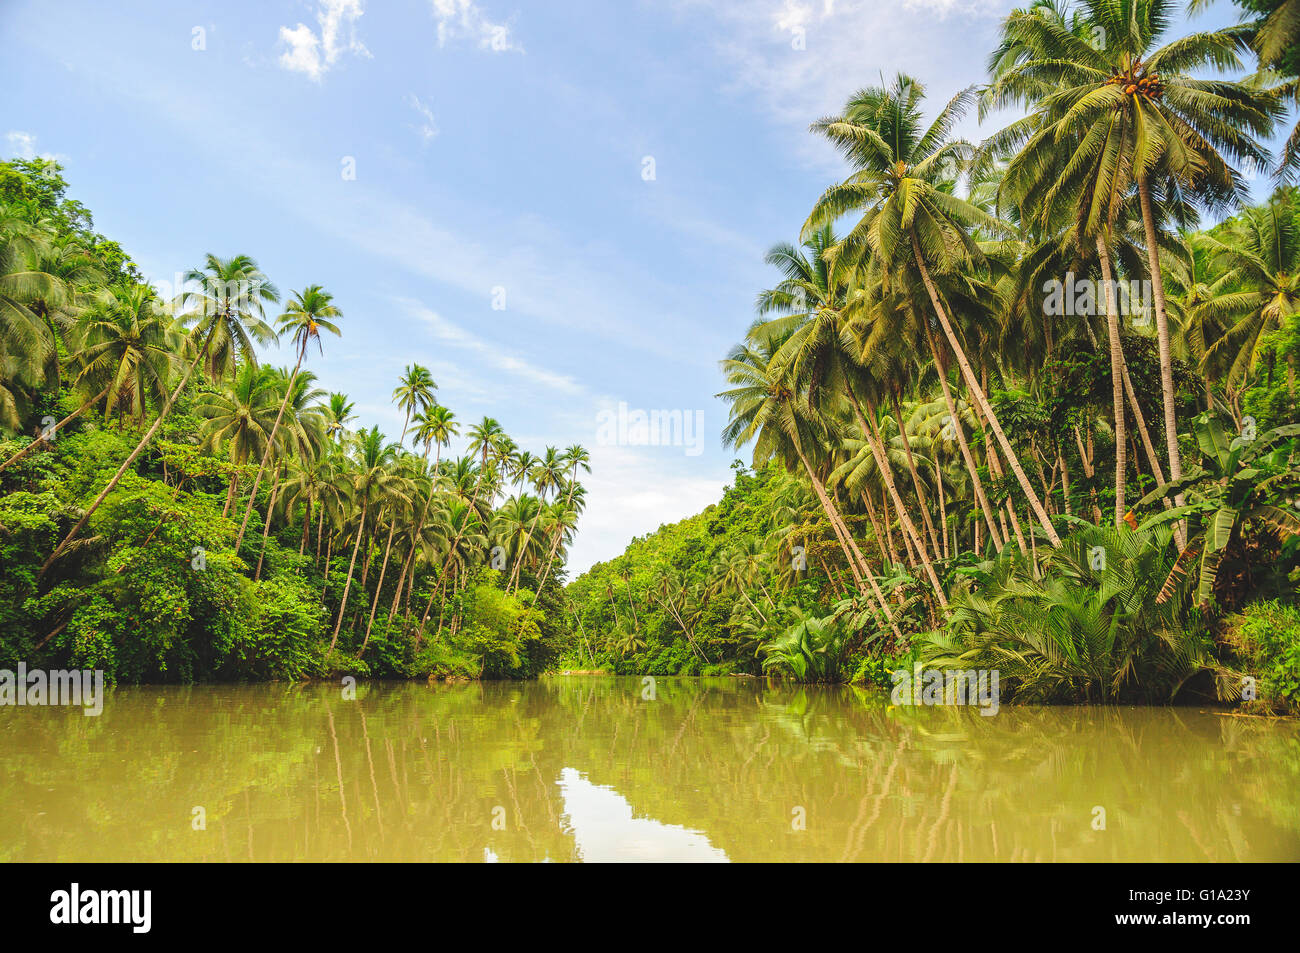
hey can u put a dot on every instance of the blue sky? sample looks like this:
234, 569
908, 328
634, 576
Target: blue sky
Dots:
502, 152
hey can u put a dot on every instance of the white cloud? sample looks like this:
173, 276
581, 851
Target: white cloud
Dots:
22, 145
428, 127
632, 491
802, 59
462, 19
306, 52
492, 355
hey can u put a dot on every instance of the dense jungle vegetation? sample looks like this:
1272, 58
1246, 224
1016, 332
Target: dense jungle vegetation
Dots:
171, 509
1022, 410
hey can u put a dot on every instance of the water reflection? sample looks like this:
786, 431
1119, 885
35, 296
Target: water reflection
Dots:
582, 768
605, 829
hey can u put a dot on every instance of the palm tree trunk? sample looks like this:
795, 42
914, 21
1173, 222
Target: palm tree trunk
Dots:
1117, 381
42, 438
347, 588
379, 587
972, 384
943, 510
329, 553
126, 464
916, 477
832, 514
266, 454
959, 431
306, 529
872, 436
1162, 335
1150, 449
266, 528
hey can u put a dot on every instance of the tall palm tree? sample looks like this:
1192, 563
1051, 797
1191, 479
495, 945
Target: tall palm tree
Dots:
437, 427
338, 414
575, 456
414, 392
307, 314
238, 417
371, 477
226, 314
911, 221
1119, 115
124, 351
764, 410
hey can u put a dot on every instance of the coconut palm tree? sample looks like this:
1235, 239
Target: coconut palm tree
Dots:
1125, 114
414, 392
226, 314
911, 222
372, 478
124, 352
1260, 255
338, 414
764, 410
307, 314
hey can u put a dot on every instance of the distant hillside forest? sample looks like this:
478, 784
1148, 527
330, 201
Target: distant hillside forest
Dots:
1008, 406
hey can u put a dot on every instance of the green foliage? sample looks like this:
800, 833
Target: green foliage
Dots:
1090, 626
1266, 635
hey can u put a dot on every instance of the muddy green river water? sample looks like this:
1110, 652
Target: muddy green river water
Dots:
581, 768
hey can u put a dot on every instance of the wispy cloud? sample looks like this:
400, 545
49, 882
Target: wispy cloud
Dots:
23, 146
801, 59
313, 55
492, 355
463, 19
428, 126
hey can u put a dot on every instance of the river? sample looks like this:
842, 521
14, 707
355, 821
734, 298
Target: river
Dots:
573, 768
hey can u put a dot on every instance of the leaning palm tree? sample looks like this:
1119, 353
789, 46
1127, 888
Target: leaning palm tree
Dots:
226, 313
1260, 254
372, 477
124, 351
764, 410
911, 222
1126, 114
306, 316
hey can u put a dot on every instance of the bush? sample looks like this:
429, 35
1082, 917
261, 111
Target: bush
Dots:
1266, 637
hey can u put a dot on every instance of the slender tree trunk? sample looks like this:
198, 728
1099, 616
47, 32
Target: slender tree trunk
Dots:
1162, 337
54, 430
379, 586
943, 510
1117, 381
347, 588
959, 432
972, 384
329, 553
306, 528
266, 527
266, 454
126, 464
831, 514
872, 436
916, 477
